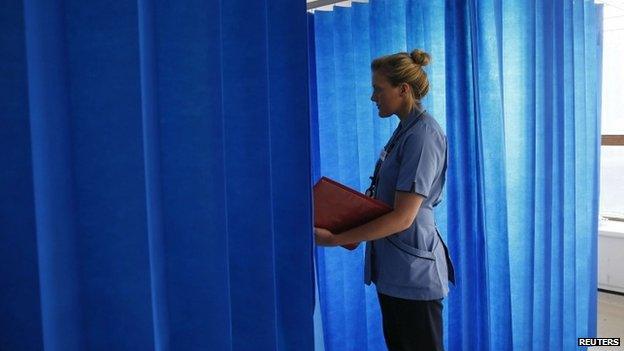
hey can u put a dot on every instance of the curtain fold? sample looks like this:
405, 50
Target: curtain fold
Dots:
155, 176
515, 85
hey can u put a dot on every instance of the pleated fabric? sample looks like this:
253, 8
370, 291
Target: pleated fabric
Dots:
155, 176
515, 85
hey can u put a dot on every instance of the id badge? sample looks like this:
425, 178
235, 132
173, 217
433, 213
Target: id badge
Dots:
383, 155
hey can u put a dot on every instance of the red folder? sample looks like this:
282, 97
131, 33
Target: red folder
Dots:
338, 208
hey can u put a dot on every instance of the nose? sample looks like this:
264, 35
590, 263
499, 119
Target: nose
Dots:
372, 97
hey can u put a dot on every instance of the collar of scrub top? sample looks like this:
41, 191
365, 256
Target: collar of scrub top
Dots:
404, 127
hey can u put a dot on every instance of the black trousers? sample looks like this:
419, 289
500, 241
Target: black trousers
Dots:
411, 325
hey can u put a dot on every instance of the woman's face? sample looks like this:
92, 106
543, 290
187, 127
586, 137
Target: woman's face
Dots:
387, 97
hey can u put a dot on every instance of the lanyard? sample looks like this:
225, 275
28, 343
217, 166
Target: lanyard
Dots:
372, 189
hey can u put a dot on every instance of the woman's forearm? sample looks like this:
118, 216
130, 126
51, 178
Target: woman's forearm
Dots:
388, 224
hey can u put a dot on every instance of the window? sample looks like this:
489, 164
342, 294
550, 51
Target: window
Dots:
612, 149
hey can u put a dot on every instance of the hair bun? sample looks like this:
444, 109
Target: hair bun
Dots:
420, 57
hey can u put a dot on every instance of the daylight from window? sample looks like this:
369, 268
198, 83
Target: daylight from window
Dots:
612, 157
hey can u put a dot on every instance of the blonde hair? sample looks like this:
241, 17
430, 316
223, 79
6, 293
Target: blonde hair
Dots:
405, 68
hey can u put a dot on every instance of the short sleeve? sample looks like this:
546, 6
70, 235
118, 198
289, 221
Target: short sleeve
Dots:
419, 158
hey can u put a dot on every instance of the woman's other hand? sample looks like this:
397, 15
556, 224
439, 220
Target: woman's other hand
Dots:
324, 237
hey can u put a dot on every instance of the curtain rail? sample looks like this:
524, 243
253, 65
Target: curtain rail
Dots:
314, 4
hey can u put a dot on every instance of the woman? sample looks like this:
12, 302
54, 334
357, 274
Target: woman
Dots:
405, 255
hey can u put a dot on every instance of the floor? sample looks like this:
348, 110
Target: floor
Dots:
610, 319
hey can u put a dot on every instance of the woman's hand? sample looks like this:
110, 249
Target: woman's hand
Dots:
324, 237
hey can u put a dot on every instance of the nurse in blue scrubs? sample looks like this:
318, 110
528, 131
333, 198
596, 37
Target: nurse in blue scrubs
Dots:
406, 257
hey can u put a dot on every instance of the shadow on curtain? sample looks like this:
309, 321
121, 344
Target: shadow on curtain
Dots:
515, 85
155, 176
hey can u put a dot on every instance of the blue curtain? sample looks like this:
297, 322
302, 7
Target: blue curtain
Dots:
155, 176
515, 84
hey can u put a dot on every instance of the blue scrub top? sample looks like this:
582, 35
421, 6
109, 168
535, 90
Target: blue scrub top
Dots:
412, 264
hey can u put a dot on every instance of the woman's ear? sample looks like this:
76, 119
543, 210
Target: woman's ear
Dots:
405, 89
